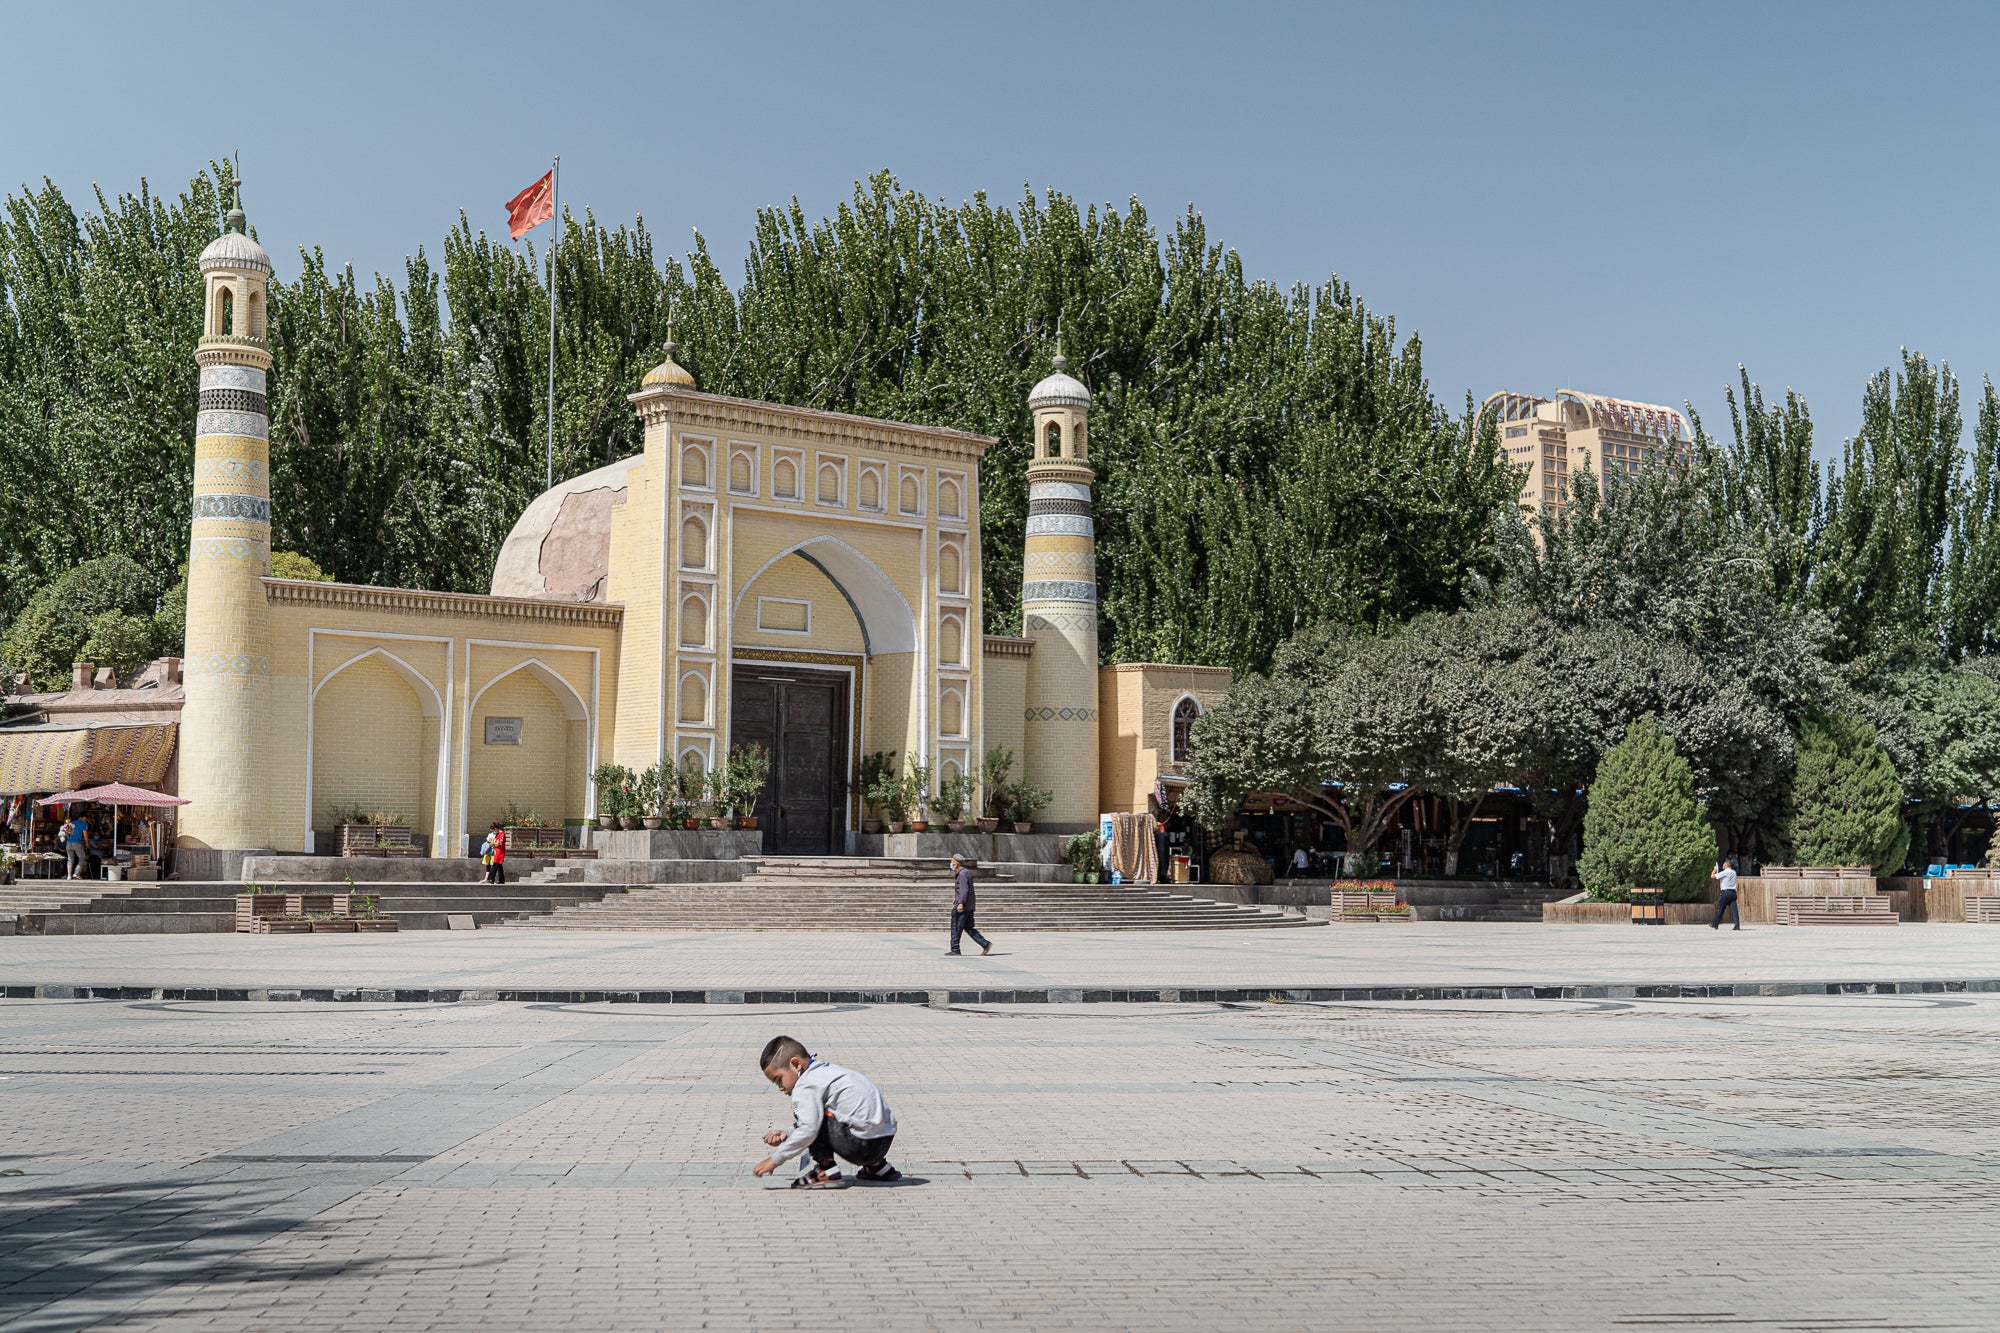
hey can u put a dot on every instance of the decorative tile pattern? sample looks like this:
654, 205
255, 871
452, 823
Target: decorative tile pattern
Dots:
1059, 590
233, 548
234, 664
247, 471
247, 508
233, 377
1061, 715
252, 425
1061, 525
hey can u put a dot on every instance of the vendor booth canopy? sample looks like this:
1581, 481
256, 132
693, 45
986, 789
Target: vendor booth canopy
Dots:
34, 759
114, 793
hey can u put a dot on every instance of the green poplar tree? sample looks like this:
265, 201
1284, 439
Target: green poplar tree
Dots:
1846, 802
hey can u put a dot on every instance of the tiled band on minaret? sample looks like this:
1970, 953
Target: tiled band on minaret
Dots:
228, 664
1059, 604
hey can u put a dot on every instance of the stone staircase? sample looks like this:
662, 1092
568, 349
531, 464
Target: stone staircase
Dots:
898, 895
175, 907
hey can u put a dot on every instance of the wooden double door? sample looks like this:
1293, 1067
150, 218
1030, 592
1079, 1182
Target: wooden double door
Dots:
801, 718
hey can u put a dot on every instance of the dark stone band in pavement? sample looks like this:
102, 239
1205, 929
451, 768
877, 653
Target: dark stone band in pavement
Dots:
1044, 995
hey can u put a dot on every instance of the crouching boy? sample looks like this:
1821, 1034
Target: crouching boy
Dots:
835, 1112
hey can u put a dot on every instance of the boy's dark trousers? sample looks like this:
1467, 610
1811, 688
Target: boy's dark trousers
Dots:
962, 921
834, 1137
1727, 903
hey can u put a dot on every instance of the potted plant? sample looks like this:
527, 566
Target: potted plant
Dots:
874, 769
609, 779
718, 796
8, 860
261, 903
749, 769
1084, 852
993, 773
892, 796
368, 918
918, 783
954, 794
1028, 802
646, 795
690, 781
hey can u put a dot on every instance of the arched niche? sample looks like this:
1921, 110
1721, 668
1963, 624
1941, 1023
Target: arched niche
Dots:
785, 480
871, 488
951, 712
949, 499
694, 466
537, 762
951, 568
829, 483
909, 498
951, 641
375, 742
694, 542
888, 625
1052, 440
694, 621
694, 697
742, 476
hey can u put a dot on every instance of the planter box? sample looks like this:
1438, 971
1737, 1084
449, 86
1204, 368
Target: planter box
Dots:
311, 904
375, 840
333, 927
536, 838
1364, 906
280, 926
252, 908
377, 925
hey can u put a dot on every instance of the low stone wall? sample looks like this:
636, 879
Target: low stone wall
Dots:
1043, 848
634, 873
296, 869
674, 844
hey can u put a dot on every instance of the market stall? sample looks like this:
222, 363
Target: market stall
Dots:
143, 849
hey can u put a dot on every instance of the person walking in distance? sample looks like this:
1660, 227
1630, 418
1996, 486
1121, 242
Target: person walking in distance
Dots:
1725, 898
963, 901
75, 834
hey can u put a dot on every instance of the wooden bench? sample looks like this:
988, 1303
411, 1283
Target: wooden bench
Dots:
1805, 910
1349, 906
1982, 911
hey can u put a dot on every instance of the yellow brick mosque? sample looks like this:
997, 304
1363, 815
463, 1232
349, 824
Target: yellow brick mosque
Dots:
804, 580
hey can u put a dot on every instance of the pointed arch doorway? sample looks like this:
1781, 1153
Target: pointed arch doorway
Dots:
800, 715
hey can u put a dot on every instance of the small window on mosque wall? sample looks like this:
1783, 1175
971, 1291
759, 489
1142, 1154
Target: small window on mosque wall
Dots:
1052, 437
1185, 713
256, 329
225, 312
908, 497
785, 480
741, 476
871, 488
829, 483
948, 500
694, 467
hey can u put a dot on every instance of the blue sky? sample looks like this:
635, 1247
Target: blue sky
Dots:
1620, 198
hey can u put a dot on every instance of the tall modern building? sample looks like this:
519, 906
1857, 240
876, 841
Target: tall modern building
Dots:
1554, 438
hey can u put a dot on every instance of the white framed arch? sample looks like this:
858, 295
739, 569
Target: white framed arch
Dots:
698, 678
888, 625
429, 702
1176, 754
574, 710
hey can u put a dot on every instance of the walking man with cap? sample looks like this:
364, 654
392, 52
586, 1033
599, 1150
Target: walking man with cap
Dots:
963, 900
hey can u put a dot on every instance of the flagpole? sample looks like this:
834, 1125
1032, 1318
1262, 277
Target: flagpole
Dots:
555, 206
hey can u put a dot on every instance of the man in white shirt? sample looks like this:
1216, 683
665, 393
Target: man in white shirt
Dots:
1725, 898
834, 1111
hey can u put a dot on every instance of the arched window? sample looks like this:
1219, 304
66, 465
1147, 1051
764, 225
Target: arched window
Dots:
256, 329
694, 698
908, 497
739, 473
225, 312
1053, 439
694, 467
785, 480
951, 714
694, 542
948, 499
871, 489
951, 641
694, 622
829, 484
951, 570
1185, 713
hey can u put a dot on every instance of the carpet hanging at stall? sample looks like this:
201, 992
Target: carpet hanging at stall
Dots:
135, 755
39, 761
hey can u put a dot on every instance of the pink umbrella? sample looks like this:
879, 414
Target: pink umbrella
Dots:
114, 794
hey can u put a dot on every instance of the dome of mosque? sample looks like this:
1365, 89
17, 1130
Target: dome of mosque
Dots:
234, 248
1059, 390
668, 372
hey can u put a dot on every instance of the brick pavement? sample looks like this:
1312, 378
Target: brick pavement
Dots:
1792, 1162
1468, 954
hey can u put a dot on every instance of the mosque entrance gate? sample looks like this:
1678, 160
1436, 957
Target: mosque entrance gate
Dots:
800, 716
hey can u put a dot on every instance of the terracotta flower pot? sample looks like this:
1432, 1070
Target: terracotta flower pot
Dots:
1023, 826
690, 823
748, 821
955, 825
607, 821
920, 826
871, 826
989, 826
651, 821
893, 826
716, 821
628, 821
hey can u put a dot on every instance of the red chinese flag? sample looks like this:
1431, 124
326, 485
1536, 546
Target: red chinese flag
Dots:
532, 206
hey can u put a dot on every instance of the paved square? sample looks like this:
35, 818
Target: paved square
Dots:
1782, 1162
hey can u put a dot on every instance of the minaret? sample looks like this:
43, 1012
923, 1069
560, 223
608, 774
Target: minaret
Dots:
228, 664
1059, 605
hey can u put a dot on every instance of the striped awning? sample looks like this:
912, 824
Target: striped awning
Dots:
135, 755
38, 761
46, 759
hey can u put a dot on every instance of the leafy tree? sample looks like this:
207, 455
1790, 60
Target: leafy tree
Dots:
1845, 806
108, 601
1644, 826
292, 565
1970, 617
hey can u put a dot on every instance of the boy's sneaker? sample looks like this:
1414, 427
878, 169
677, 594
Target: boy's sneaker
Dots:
881, 1173
818, 1179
